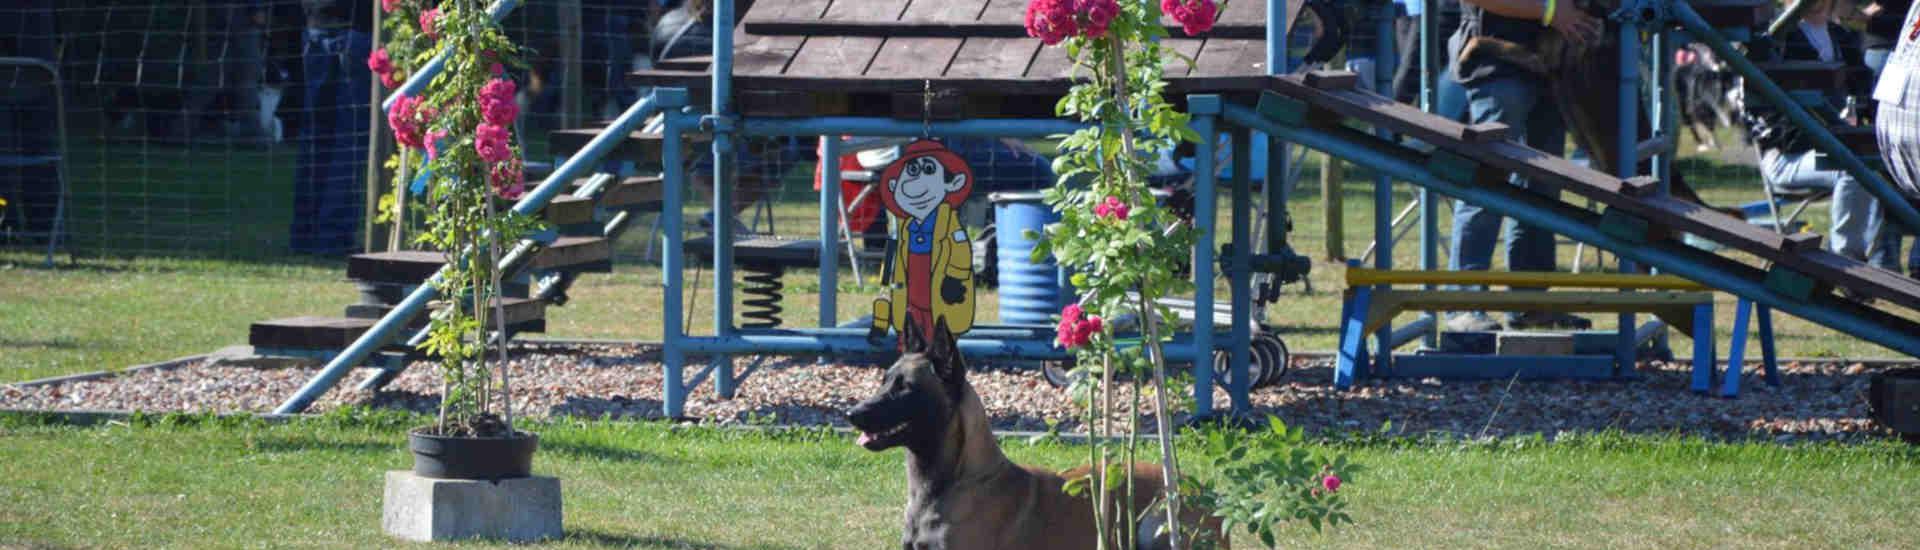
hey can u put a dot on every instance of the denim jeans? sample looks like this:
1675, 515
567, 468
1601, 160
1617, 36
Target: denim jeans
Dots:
1855, 212
1520, 103
327, 186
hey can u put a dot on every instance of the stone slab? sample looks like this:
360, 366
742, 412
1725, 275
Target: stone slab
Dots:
514, 510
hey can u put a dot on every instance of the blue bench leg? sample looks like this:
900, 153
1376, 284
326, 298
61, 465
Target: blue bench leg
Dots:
1703, 362
1767, 358
1736, 352
1353, 340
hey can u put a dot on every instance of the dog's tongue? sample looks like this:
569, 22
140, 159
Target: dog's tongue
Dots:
864, 438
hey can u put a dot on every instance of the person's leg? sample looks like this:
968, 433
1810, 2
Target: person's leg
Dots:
1854, 216
1471, 242
1453, 96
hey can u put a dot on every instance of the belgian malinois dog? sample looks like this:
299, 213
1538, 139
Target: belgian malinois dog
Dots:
962, 493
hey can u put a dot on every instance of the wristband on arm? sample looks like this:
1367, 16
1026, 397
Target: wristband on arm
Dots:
1546, 20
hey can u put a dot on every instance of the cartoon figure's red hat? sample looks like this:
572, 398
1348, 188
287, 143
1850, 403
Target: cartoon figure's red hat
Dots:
949, 161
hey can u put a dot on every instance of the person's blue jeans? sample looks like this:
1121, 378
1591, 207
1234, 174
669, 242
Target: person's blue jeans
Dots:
1855, 212
327, 190
1453, 96
1519, 103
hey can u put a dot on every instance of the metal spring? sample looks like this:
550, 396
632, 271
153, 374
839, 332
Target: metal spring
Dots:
760, 292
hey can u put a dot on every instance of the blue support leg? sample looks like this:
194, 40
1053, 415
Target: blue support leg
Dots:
1703, 363
1767, 359
1205, 109
1348, 367
1240, 280
724, 176
673, 358
1736, 351
829, 230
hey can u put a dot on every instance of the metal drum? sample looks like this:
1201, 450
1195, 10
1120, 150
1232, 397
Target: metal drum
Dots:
1029, 290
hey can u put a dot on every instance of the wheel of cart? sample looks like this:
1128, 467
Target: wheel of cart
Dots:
1269, 361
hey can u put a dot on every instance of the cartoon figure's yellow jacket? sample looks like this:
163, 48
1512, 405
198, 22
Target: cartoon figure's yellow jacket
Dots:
932, 273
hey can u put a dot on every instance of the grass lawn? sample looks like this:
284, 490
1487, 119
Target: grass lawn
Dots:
317, 483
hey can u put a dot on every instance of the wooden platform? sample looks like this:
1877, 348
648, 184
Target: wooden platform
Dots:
968, 58
781, 252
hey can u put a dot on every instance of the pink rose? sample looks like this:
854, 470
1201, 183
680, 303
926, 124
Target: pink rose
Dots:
509, 179
390, 5
430, 22
1113, 208
491, 142
382, 64
498, 69
497, 103
1098, 14
1051, 21
1331, 482
405, 117
433, 143
1195, 16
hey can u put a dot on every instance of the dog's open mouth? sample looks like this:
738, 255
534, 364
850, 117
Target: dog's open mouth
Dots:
879, 440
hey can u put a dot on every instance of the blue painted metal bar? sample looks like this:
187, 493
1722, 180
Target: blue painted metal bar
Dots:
1383, 185
1737, 351
1767, 358
1205, 109
1627, 142
1279, 175
389, 326
419, 80
673, 177
887, 127
1890, 198
1429, 205
829, 230
1240, 279
724, 177
1351, 362
1677, 259
1703, 363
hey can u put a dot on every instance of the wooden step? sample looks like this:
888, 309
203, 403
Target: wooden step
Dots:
409, 267
641, 147
567, 209
685, 63
523, 314
579, 254
780, 252
307, 332
1804, 75
632, 191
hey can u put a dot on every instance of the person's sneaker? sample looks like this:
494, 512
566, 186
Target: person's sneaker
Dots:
1472, 322
1527, 320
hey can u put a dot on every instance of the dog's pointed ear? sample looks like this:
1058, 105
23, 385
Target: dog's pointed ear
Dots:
915, 341
946, 354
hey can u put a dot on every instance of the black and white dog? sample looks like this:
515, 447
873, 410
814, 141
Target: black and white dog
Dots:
1710, 95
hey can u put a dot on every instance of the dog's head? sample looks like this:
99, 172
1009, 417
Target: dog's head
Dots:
920, 395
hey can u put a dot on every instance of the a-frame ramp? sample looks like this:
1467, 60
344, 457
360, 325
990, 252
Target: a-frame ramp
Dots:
1639, 223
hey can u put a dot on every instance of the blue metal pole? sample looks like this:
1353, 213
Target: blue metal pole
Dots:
673, 177
723, 183
1383, 185
1675, 258
1279, 174
874, 126
418, 81
1240, 279
829, 230
389, 326
1890, 198
1664, 111
1430, 102
1627, 142
1205, 108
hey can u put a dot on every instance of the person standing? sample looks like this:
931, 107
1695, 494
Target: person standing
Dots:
1898, 121
327, 186
1883, 30
1499, 91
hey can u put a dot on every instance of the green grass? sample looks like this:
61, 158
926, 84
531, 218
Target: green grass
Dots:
316, 484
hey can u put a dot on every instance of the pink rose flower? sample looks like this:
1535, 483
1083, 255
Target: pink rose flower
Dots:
1331, 482
382, 64
1051, 21
1113, 208
405, 118
498, 69
430, 23
509, 179
390, 5
497, 103
1195, 16
433, 143
1098, 14
491, 142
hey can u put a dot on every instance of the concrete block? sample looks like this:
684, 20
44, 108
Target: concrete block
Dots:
515, 510
1479, 343
1534, 343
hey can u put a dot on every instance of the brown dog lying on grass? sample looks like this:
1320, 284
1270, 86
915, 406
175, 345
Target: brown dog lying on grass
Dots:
962, 493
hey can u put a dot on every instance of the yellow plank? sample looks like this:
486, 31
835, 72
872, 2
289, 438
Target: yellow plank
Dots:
1360, 276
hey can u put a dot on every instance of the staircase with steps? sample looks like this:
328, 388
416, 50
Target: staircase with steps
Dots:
585, 220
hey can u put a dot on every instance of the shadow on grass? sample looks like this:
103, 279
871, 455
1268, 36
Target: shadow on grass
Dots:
611, 540
578, 449
299, 445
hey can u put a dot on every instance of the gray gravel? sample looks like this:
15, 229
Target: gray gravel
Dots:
1818, 400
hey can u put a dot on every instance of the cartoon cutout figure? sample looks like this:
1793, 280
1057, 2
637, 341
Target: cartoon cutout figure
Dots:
930, 268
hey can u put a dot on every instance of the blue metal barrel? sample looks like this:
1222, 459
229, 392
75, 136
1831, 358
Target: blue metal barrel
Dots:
1029, 290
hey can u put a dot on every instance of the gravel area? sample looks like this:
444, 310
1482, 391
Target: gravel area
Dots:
1817, 400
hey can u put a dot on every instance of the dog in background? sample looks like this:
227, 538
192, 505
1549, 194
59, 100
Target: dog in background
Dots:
962, 493
1708, 90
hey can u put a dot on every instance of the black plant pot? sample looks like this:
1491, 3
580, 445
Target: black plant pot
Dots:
488, 458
